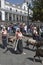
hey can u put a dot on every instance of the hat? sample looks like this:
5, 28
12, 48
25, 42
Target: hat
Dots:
17, 29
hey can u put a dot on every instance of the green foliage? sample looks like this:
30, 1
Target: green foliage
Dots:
38, 10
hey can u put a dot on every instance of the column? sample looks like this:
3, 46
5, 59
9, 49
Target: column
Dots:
3, 15
22, 18
3, 12
2, 3
19, 18
12, 16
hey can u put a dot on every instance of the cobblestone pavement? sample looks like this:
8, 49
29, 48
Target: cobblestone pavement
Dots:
10, 58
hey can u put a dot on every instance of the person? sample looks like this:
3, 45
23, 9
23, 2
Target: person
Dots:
35, 34
21, 27
18, 43
4, 37
25, 28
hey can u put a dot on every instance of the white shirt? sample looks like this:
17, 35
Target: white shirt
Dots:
25, 28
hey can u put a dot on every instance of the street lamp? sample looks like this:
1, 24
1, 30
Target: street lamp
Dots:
39, 26
27, 16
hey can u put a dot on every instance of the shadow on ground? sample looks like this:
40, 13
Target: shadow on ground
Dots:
27, 48
1, 46
31, 59
12, 51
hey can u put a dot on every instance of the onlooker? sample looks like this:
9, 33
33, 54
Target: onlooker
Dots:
4, 37
35, 34
8, 29
2, 26
21, 27
25, 28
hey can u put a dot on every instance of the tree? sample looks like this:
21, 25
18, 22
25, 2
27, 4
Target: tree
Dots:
37, 10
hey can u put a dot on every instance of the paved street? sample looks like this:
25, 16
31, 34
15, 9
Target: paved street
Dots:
18, 19
10, 58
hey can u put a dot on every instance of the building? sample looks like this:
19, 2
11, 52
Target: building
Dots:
12, 12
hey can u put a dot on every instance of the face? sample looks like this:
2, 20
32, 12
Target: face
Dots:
18, 30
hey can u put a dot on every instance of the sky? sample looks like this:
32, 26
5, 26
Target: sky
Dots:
15, 1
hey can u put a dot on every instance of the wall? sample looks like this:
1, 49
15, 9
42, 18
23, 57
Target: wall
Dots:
3, 12
24, 5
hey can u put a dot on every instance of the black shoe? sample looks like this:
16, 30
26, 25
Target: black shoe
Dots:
17, 52
3, 47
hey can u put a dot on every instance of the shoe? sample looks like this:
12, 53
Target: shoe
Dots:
3, 47
15, 49
6, 49
24, 53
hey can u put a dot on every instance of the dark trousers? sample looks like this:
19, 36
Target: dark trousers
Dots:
4, 41
36, 37
20, 46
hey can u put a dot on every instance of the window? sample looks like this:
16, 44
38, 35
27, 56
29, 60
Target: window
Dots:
20, 11
24, 13
10, 18
10, 8
13, 17
17, 18
24, 7
16, 10
6, 15
22, 18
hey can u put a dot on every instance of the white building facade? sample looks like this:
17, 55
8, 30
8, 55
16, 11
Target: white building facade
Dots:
12, 12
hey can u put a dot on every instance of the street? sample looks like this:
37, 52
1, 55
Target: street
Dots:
10, 58
21, 20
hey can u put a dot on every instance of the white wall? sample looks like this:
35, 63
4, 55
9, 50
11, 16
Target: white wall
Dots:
3, 12
2, 3
24, 5
15, 8
3, 15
